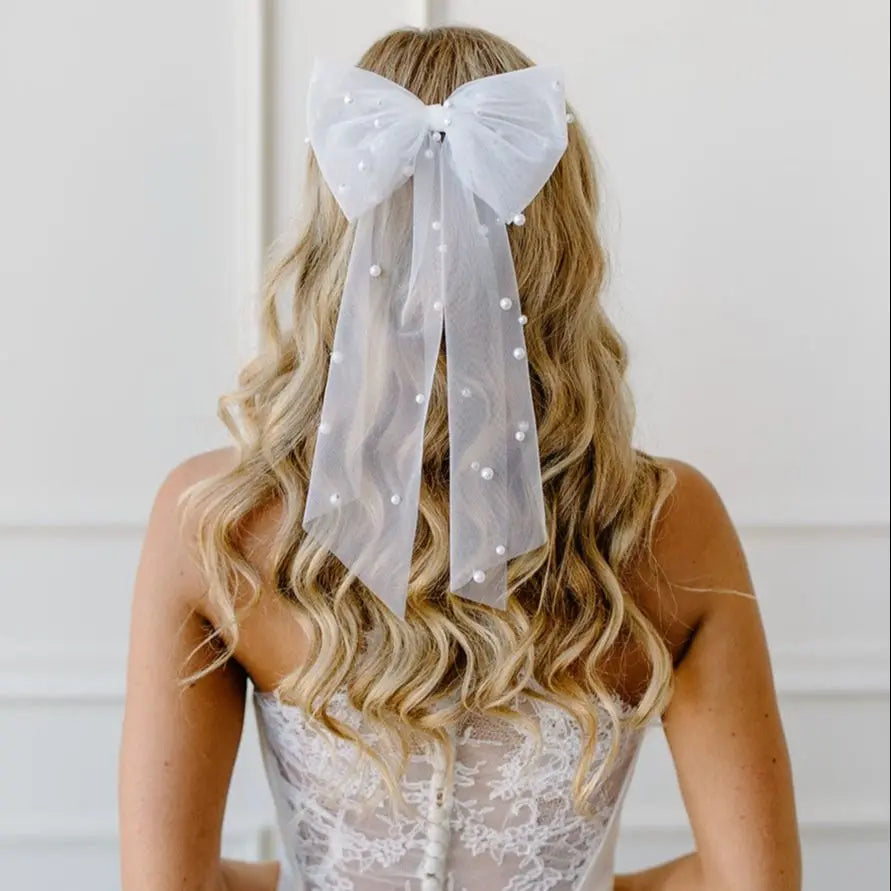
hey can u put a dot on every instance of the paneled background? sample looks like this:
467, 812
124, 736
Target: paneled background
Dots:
150, 152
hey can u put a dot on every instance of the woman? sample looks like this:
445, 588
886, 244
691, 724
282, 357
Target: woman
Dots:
519, 721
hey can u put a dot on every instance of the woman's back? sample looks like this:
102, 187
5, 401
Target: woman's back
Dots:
501, 818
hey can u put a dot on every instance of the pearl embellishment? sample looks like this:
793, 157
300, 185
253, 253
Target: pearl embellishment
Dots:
465, 392
523, 319
396, 499
487, 473
375, 271
337, 357
419, 398
570, 118
505, 303
377, 123
479, 576
474, 465
437, 305
437, 136
519, 353
347, 98
306, 140
436, 225
362, 165
523, 425
334, 498
519, 436
518, 219
324, 427
428, 153
442, 248
484, 230
500, 550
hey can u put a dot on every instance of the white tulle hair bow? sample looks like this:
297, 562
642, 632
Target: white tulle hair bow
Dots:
431, 189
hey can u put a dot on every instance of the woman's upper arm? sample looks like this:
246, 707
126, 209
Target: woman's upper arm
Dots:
179, 742
723, 724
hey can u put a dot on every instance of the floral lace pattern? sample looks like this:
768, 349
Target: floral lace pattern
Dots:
503, 820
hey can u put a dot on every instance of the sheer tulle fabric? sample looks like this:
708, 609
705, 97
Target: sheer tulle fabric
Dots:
430, 189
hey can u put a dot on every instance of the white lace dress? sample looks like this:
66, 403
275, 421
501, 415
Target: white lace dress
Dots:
503, 821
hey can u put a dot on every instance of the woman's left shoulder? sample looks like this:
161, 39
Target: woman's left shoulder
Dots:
168, 552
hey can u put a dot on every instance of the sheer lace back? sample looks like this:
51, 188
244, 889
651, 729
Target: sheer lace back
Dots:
503, 819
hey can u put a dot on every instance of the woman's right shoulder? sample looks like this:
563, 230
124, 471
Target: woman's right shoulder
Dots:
695, 558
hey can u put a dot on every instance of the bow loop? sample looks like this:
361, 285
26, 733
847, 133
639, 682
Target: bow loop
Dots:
366, 132
508, 134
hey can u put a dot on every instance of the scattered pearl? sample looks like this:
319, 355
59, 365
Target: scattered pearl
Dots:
523, 425
396, 499
347, 98
484, 230
437, 136
334, 498
362, 165
465, 392
375, 271
436, 225
505, 303
337, 357
499, 220
324, 427
518, 219
447, 103
519, 436
500, 550
437, 305
442, 248
487, 473
519, 353
377, 123
479, 576
306, 140
474, 465
419, 398
570, 117
523, 319
447, 121
428, 153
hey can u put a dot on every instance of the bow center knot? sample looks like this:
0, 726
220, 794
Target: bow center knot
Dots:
437, 117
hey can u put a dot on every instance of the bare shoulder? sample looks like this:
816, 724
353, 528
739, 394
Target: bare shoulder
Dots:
167, 552
697, 558
192, 470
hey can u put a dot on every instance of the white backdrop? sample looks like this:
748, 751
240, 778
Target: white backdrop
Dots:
150, 151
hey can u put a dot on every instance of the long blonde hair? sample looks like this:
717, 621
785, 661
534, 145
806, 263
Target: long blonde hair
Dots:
568, 608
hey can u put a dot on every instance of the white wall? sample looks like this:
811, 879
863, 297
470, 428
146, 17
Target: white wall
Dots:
744, 150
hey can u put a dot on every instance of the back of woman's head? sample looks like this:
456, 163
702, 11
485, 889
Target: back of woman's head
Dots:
568, 610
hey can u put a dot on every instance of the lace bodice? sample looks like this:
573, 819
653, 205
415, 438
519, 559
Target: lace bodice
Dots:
503, 821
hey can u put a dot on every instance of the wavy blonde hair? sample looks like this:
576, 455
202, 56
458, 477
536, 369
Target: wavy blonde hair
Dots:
568, 609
